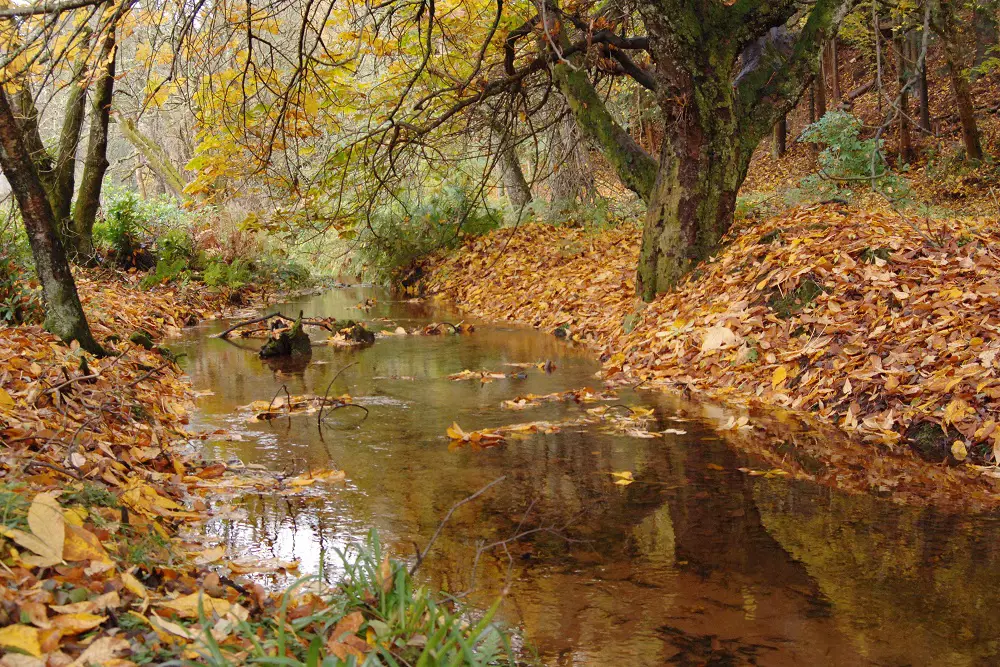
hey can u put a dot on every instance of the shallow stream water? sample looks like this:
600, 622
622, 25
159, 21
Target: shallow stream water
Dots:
694, 563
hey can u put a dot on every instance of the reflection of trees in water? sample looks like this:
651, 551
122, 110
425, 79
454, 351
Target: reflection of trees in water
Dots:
639, 574
909, 585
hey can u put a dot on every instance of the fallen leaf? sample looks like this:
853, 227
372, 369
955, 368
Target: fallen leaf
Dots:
22, 637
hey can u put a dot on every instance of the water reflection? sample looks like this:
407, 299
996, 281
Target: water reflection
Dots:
689, 565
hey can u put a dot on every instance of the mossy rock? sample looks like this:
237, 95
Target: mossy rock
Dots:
771, 237
142, 338
354, 331
292, 343
931, 442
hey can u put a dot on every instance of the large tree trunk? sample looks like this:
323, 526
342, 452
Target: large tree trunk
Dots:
96, 164
703, 162
64, 314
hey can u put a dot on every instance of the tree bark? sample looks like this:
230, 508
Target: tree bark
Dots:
64, 314
946, 26
634, 166
779, 138
156, 158
984, 22
835, 72
88, 200
901, 42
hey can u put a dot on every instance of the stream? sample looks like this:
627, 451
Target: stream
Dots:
693, 563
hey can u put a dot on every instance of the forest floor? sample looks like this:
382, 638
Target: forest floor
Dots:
880, 330
102, 495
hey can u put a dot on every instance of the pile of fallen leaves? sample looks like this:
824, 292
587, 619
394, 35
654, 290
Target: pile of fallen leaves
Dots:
871, 322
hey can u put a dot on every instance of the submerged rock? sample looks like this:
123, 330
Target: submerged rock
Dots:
294, 342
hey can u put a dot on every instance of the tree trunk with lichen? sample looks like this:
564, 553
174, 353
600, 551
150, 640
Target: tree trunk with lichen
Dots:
95, 165
64, 314
634, 166
703, 162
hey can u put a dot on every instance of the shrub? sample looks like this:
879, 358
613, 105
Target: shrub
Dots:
399, 236
19, 303
234, 275
847, 162
120, 233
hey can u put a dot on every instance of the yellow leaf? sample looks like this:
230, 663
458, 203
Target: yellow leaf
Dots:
958, 450
780, 373
6, 401
626, 474
455, 432
134, 585
22, 637
186, 606
103, 651
210, 555
74, 624
81, 544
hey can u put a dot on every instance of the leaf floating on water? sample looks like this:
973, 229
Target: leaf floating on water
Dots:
623, 478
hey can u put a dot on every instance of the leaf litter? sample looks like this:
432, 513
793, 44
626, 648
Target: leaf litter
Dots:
819, 323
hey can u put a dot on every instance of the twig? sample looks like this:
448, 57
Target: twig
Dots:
319, 416
423, 554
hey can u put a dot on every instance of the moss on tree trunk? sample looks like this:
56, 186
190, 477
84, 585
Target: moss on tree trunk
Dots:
64, 314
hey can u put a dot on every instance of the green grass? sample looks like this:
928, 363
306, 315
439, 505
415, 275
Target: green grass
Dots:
406, 624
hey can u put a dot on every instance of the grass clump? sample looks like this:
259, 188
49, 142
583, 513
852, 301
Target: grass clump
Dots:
377, 615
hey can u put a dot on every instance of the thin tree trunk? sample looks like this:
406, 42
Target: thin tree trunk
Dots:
156, 158
572, 174
64, 314
946, 26
902, 76
96, 164
633, 165
984, 22
922, 91
779, 138
64, 173
820, 87
835, 72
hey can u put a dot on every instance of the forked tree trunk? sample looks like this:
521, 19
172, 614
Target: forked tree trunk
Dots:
96, 164
64, 314
704, 160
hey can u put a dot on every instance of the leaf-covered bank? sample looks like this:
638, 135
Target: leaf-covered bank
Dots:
886, 328
102, 502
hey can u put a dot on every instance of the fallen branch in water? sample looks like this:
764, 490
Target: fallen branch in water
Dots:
319, 417
264, 318
468, 499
